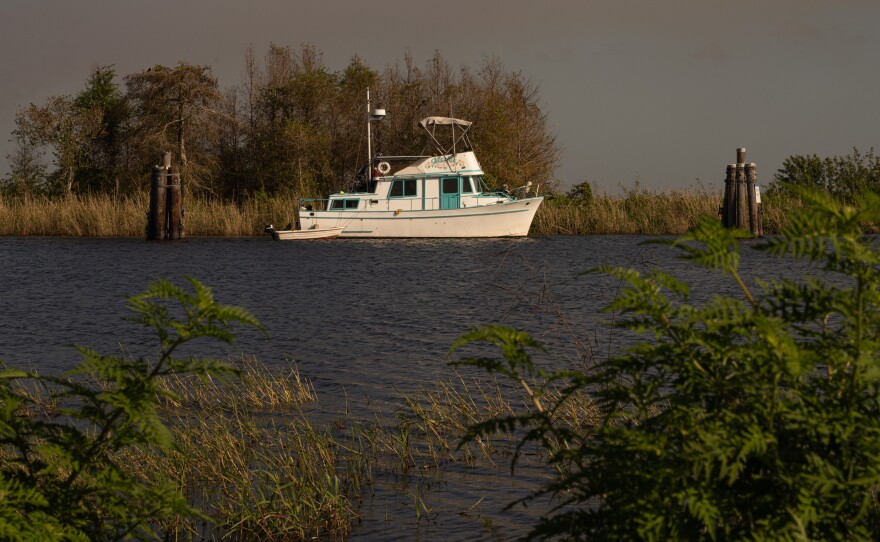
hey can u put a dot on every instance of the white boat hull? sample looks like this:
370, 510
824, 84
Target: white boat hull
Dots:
306, 234
507, 219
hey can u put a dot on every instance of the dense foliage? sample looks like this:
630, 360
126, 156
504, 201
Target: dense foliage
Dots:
749, 417
843, 177
292, 126
61, 477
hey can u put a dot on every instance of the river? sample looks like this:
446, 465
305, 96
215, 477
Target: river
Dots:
365, 320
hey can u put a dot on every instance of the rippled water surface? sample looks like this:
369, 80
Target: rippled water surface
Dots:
365, 320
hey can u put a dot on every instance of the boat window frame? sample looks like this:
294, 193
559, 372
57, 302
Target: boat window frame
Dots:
466, 181
404, 186
346, 204
443, 191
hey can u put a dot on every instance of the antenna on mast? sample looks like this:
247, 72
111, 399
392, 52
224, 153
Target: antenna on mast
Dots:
372, 115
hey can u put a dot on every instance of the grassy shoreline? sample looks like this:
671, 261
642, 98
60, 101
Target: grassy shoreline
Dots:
635, 212
259, 467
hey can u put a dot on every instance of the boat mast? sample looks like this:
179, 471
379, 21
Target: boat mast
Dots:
377, 115
369, 146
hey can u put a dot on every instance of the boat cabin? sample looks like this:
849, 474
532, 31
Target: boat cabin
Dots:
426, 184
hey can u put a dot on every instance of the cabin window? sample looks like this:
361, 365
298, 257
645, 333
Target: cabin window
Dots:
404, 188
450, 185
344, 204
466, 186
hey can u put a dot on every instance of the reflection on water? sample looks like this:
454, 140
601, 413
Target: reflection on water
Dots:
366, 320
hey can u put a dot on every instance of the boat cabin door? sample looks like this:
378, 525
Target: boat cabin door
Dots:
450, 195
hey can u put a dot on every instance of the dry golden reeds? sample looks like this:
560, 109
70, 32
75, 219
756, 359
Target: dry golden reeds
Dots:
637, 211
105, 216
248, 458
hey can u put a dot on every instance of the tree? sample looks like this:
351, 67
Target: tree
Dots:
748, 417
512, 132
348, 132
103, 151
66, 129
27, 171
174, 109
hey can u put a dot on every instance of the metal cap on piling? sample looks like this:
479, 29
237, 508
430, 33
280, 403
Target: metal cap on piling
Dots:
741, 155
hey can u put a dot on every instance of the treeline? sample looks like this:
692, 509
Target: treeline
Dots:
292, 126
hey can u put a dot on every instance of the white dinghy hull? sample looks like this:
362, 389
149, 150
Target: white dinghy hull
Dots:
306, 234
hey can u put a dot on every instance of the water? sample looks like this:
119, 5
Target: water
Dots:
365, 320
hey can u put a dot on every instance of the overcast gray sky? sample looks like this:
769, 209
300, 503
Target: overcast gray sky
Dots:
660, 91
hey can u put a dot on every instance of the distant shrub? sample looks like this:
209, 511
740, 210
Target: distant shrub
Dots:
843, 177
581, 194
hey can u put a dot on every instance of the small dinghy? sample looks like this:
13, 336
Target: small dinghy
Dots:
307, 234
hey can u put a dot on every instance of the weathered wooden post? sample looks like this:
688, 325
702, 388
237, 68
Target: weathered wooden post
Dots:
156, 214
760, 211
175, 205
728, 209
742, 198
751, 179
165, 217
742, 202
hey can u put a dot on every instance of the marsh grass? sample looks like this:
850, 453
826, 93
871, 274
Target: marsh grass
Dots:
256, 386
636, 211
643, 212
258, 468
431, 424
251, 461
105, 216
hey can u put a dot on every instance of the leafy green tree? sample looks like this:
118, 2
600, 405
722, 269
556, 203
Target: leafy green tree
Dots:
746, 417
103, 152
61, 476
65, 129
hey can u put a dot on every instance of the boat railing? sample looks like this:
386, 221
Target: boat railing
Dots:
367, 203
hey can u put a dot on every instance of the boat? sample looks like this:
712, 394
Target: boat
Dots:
438, 195
300, 234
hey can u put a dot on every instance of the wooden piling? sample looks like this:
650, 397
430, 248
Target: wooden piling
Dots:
742, 198
728, 209
751, 179
156, 214
742, 202
175, 205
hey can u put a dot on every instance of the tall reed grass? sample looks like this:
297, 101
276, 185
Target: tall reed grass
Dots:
247, 456
640, 211
105, 216
260, 469
636, 211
